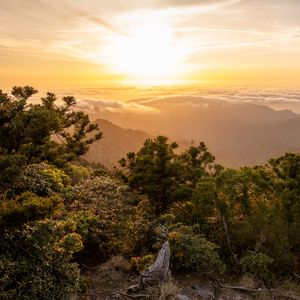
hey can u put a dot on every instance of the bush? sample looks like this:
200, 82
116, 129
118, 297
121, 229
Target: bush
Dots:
77, 173
27, 207
141, 263
258, 264
100, 206
35, 261
41, 179
192, 252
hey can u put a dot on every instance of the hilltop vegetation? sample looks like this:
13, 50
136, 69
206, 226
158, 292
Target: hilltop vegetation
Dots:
60, 215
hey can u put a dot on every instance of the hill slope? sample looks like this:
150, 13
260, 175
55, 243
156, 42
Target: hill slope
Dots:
116, 142
236, 133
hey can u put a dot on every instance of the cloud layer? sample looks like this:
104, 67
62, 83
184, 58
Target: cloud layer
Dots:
142, 100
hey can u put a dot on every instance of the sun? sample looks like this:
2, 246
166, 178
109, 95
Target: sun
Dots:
147, 54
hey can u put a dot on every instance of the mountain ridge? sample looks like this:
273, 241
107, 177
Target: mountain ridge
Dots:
237, 134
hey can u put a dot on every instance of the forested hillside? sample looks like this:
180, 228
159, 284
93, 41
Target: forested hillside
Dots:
116, 143
238, 133
61, 217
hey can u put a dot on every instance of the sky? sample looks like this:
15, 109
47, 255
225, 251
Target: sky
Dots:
92, 43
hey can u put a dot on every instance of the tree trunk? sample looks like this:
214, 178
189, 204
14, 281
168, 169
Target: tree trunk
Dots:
228, 238
157, 273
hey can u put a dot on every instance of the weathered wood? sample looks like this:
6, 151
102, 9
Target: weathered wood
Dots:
132, 296
157, 273
240, 288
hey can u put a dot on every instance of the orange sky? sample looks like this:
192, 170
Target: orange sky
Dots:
90, 43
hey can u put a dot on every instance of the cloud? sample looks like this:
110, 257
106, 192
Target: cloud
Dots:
201, 97
208, 34
97, 106
156, 99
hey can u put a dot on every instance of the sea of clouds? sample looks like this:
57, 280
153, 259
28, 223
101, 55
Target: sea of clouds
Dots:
148, 99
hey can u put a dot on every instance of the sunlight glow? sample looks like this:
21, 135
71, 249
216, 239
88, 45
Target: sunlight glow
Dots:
148, 53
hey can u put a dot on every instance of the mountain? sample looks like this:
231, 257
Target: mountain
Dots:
236, 133
114, 145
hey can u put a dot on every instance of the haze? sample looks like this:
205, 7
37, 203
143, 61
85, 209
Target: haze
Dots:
223, 71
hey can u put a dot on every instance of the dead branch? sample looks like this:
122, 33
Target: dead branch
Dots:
132, 296
296, 275
240, 288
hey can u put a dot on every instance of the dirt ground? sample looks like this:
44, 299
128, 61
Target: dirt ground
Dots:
110, 280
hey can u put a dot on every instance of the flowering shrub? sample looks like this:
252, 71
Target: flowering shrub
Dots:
101, 207
42, 179
35, 260
141, 263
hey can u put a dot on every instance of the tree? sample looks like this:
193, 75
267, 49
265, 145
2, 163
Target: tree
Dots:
31, 133
196, 162
286, 185
164, 176
152, 171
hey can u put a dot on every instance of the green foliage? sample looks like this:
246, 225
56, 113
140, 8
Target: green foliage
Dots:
39, 132
191, 251
205, 197
258, 264
77, 173
165, 177
10, 169
42, 179
27, 207
152, 170
54, 212
141, 263
195, 163
237, 209
35, 261
102, 210
287, 185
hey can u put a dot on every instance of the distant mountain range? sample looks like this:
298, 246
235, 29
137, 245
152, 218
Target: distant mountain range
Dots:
114, 145
237, 134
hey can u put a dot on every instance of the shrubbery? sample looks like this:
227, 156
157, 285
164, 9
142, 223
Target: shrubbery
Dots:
258, 264
36, 260
42, 179
191, 251
57, 211
102, 208
27, 207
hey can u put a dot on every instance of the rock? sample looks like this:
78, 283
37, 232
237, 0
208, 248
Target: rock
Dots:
206, 292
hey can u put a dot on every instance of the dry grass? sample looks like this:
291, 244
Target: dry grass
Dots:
110, 276
285, 290
169, 290
118, 263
